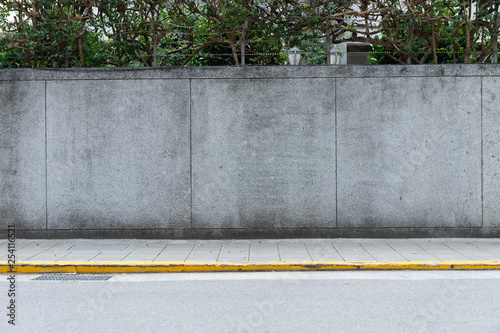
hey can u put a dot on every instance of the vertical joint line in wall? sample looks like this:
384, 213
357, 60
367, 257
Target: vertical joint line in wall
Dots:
190, 156
46, 158
336, 163
482, 155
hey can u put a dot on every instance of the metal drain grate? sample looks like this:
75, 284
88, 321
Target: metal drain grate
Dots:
64, 277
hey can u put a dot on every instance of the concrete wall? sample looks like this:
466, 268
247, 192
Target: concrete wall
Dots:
327, 151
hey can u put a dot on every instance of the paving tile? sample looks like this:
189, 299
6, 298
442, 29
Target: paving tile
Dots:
100, 247
143, 254
18, 253
19, 244
205, 252
234, 252
111, 256
470, 251
147, 246
412, 251
293, 252
352, 251
256, 250
175, 252
80, 256
39, 246
27, 255
49, 256
381, 251
144, 250
45, 250
440, 251
492, 247
264, 252
323, 251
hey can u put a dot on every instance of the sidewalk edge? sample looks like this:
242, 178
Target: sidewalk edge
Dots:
108, 267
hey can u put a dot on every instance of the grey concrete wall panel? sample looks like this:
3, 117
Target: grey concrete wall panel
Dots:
263, 153
22, 155
409, 152
491, 151
118, 154
115, 152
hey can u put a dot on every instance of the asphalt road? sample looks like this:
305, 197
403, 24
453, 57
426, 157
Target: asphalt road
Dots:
389, 301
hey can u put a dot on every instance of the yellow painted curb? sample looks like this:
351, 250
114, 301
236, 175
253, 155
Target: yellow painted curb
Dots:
102, 267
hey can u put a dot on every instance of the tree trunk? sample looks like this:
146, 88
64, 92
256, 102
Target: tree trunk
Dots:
80, 49
155, 43
434, 51
495, 49
328, 48
410, 37
233, 48
495, 38
242, 41
468, 45
66, 56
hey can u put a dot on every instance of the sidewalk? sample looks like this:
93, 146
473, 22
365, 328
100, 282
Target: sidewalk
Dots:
133, 256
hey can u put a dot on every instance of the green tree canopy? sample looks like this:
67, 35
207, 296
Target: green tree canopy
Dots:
91, 33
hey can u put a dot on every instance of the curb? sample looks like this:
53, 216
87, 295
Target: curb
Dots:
85, 267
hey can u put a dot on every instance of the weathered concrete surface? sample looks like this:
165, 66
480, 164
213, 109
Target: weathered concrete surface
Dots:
263, 153
22, 155
491, 151
118, 154
262, 233
252, 72
409, 152
305, 151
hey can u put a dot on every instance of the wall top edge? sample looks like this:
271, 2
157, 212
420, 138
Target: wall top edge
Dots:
251, 72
